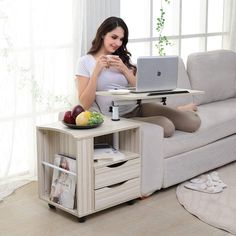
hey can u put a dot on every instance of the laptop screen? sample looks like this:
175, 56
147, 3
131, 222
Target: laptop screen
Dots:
156, 73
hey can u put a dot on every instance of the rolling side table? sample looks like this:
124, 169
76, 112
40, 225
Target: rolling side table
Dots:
99, 184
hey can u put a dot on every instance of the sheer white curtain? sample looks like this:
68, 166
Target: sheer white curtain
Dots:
40, 42
36, 72
79, 28
232, 37
229, 40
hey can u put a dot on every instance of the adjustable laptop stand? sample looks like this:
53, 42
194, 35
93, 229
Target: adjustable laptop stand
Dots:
135, 98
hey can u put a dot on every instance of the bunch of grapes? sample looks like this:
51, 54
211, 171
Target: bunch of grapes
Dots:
95, 118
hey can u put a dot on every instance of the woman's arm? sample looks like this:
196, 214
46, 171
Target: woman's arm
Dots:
87, 86
83, 91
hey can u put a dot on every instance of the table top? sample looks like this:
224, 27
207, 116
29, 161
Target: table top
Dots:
144, 96
107, 127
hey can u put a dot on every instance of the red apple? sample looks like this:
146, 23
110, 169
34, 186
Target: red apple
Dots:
68, 118
76, 111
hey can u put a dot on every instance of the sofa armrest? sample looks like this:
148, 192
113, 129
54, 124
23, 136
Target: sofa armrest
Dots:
152, 157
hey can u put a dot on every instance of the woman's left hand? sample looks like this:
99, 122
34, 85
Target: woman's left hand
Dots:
116, 62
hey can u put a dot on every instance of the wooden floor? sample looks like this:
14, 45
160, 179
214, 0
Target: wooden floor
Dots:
23, 214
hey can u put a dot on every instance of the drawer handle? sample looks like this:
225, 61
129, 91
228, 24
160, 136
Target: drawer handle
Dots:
116, 185
117, 164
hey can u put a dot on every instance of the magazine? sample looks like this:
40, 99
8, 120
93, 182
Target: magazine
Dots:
107, 154
64, 182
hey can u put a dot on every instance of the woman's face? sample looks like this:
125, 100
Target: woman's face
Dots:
113, 40
63, 164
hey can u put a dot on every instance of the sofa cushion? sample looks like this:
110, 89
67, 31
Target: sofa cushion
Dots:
213, 72
183, 82
218, 121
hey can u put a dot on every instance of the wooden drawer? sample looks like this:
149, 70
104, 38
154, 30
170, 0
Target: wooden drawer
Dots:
117, 193
117, 173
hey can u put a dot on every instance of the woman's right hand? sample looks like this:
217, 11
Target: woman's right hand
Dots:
101, 63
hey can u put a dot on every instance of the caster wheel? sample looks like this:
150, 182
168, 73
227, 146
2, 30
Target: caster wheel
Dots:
51, 206
131, 202
82, 219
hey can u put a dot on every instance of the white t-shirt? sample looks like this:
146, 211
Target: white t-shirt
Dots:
108, 79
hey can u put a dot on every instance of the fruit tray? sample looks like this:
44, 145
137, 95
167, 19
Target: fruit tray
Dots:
73, 126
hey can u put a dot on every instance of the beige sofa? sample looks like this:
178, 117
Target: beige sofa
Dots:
168, 161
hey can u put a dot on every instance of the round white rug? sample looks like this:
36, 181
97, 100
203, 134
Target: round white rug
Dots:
218, 209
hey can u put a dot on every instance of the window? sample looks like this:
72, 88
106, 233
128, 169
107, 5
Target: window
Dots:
191, 26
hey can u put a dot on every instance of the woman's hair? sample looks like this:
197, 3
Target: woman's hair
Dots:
107, 26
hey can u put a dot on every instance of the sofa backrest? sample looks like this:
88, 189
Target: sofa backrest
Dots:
183, 82
213, 72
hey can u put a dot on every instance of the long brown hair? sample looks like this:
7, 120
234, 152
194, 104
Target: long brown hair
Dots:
107, 26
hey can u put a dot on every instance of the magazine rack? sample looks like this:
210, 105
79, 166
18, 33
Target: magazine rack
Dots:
99, 184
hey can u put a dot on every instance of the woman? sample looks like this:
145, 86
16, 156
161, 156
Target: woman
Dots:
107, 66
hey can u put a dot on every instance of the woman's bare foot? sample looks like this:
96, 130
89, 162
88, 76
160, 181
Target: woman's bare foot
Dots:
188, 107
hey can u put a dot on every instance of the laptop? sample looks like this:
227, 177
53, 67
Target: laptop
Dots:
156, 74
